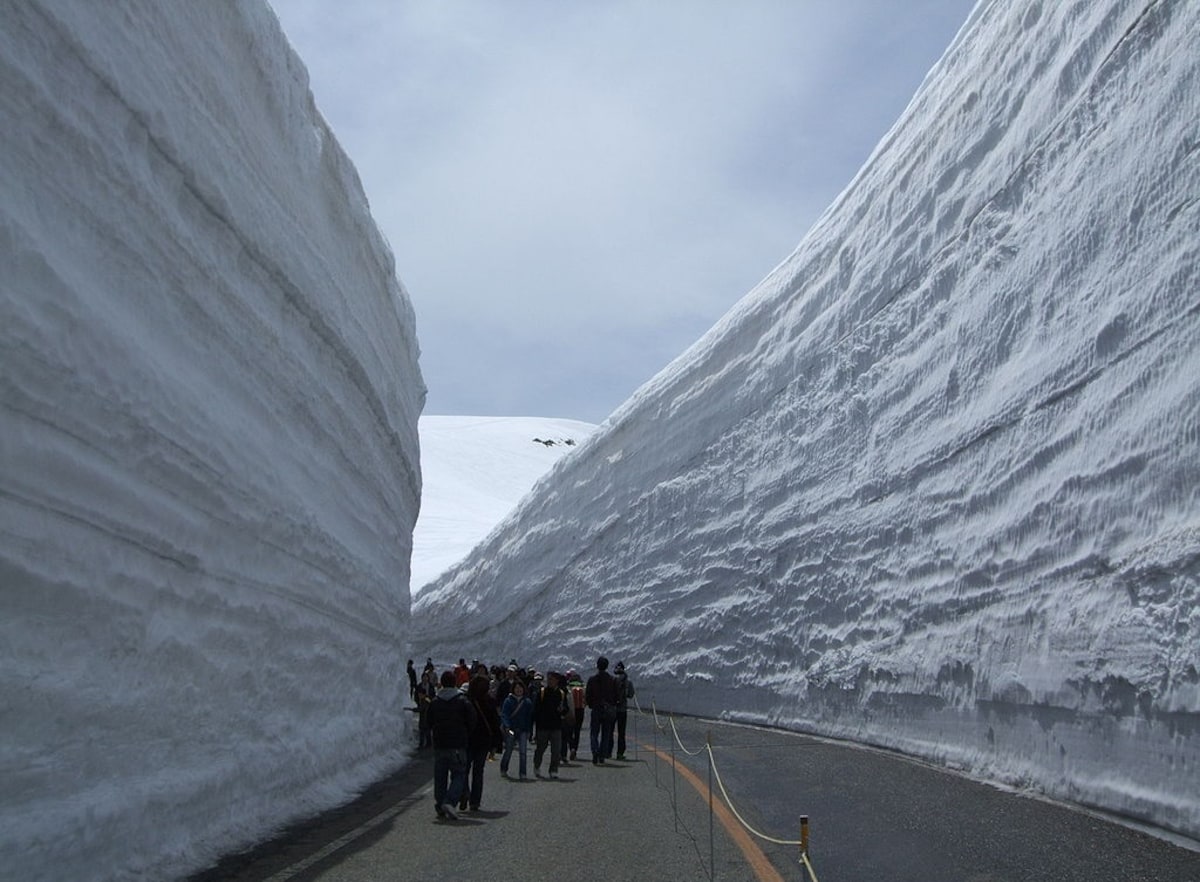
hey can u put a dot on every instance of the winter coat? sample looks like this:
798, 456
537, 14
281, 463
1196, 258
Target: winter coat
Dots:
486, 734
624, 689
550, 709
451, 718
517, 714
601, 690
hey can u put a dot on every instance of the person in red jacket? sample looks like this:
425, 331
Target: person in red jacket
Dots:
462, 674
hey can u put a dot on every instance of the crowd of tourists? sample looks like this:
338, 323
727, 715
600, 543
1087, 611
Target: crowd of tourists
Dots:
470, 714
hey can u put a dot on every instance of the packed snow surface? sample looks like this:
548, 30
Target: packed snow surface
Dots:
474, 471
208, 441
934, 483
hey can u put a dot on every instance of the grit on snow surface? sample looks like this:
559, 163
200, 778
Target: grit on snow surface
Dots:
209, 406
934, 483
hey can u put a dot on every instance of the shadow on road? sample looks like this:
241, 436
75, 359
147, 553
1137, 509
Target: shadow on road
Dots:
306, 839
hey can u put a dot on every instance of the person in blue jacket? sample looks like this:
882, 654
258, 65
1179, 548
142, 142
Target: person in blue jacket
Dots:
516, 718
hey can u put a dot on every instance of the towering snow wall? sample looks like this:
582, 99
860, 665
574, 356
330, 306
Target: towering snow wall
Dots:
208, 434
935, 483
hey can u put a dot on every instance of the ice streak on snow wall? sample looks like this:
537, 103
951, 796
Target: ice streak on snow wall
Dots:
934, 483
208, 434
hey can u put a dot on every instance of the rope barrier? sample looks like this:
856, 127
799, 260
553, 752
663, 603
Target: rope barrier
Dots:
808, 865
680, 743
729, 803
654, 710
802, 842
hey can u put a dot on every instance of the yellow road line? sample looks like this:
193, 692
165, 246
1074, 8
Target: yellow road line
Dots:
758, 861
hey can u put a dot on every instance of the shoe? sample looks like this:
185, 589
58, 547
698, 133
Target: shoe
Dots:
474, 808
524, 777
504, 773
601, 760
554, 775
620, 756
441, 812
572, 754
596, 761
448, 813
462, 806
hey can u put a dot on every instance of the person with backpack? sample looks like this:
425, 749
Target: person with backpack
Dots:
601, 696
516, 719
451, 719
578, 706
548, 712
624, 693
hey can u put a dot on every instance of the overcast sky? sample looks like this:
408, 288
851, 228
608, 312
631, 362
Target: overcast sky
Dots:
575, 190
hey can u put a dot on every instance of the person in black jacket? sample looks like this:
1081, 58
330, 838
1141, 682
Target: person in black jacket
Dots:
624, 693
426, 693
601, 696
484, 738
451, 719
549, 708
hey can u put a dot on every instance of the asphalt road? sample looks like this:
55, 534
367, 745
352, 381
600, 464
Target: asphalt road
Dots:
875, 815
872, 816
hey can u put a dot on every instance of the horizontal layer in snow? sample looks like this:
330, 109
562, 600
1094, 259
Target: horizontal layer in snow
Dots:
934, 483
209, 443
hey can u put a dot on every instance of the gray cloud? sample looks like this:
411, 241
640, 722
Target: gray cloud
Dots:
591, 185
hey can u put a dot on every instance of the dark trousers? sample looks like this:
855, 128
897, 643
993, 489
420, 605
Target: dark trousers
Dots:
622, 719
476, 763
602, 735
449, 774
576, 730
551, 738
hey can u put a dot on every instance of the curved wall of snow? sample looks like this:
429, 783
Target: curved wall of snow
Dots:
934, 484
208, 434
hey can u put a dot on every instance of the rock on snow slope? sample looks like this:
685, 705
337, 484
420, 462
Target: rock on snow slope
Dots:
209, 405
933, 484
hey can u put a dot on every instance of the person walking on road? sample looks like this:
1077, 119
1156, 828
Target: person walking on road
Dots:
504, 687
484, 738
426, 693
516, 719
462, 674
568, 721
601, 696
451, 719
624, 693
412, 681
578, 705
548, 713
